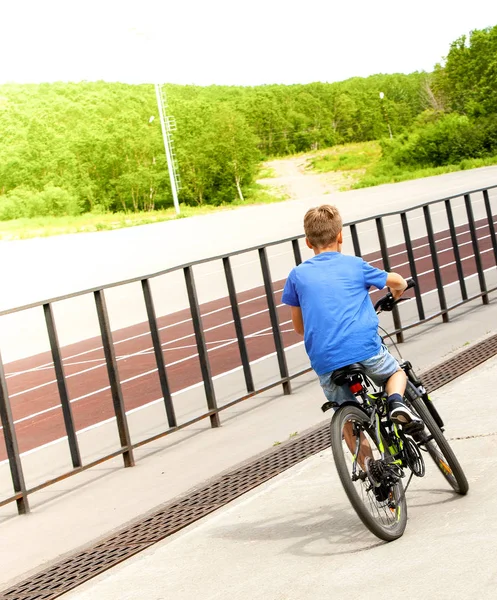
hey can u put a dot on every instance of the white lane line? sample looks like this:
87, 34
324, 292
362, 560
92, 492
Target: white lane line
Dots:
144, 374
446, 250
145, 350
152, 402
134, 337
437, 241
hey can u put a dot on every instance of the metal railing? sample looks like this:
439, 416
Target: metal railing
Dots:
127, 447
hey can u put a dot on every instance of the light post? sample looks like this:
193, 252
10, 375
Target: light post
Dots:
166, 136
385, 115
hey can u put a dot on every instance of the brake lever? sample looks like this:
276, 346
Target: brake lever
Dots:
387, 303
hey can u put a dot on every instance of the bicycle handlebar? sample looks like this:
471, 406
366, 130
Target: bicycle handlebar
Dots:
387, 303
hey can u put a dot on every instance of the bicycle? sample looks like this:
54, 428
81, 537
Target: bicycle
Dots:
372, 454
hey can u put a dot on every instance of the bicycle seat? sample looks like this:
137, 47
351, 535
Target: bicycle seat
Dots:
339, 377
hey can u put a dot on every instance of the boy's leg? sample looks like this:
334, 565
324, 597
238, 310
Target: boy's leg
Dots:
385, 366
339, 394
396, 383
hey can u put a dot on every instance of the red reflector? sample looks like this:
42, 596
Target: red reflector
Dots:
355, 388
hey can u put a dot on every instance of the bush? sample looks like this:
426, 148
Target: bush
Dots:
25, 203
59, 202
446, 141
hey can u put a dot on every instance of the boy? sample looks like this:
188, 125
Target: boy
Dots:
331, 308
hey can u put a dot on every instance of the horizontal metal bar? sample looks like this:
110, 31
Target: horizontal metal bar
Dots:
266, 388
11, 499
94, 463
235, 253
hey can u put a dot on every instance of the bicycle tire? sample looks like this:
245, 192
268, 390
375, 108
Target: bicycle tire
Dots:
456, 478
386, 533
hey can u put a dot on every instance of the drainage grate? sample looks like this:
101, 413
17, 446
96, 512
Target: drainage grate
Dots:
459, 364
86, 564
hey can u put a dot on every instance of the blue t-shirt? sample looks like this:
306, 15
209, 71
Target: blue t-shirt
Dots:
340, 324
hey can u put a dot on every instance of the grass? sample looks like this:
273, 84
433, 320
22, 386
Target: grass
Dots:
347, 157
364, 166
387, 173
90, 222
266, 173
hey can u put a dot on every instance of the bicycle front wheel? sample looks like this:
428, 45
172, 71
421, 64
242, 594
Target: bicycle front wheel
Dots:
439, 449
382, 510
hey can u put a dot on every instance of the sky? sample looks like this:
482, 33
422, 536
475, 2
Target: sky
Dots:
228, 42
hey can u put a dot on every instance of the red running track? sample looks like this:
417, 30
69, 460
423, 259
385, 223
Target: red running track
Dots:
32, 385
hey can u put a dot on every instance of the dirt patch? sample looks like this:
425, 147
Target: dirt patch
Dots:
295, 179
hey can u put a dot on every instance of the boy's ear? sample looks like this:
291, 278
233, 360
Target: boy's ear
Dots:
340, 237
308, 244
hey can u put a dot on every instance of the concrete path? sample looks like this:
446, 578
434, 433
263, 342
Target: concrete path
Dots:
297, 537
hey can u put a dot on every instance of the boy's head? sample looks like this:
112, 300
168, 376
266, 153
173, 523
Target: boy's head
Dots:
323, 227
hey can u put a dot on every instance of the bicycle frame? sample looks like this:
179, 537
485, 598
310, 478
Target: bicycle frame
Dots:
390, 439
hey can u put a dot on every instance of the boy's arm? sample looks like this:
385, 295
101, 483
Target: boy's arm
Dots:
291, 298
298, 322
397, 284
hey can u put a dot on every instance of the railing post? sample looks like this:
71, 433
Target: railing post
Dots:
436, 266
476, 250
273, 315
9, 434
159, 356
235, 310
203, 356
455, 246
355, 240
412, 265
490, 219
296, 252
386, 266
115, 384
61, 384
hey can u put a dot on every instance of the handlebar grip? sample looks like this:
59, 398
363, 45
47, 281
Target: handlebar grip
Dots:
411, 283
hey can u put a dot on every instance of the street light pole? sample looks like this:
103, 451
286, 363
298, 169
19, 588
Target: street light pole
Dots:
385, 115
165, 126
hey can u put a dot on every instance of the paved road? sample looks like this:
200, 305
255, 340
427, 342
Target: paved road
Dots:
296, 538
45, 267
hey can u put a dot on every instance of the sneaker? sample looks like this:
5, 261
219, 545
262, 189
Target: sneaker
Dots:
401, 414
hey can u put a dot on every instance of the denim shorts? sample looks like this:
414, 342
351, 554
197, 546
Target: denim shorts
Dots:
378, 368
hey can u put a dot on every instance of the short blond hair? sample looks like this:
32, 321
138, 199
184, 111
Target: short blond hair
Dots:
322, 225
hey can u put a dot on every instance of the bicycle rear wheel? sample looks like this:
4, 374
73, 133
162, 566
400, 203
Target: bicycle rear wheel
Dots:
439, 449
385, 517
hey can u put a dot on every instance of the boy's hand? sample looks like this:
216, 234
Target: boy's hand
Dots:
397, 285
397, 294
